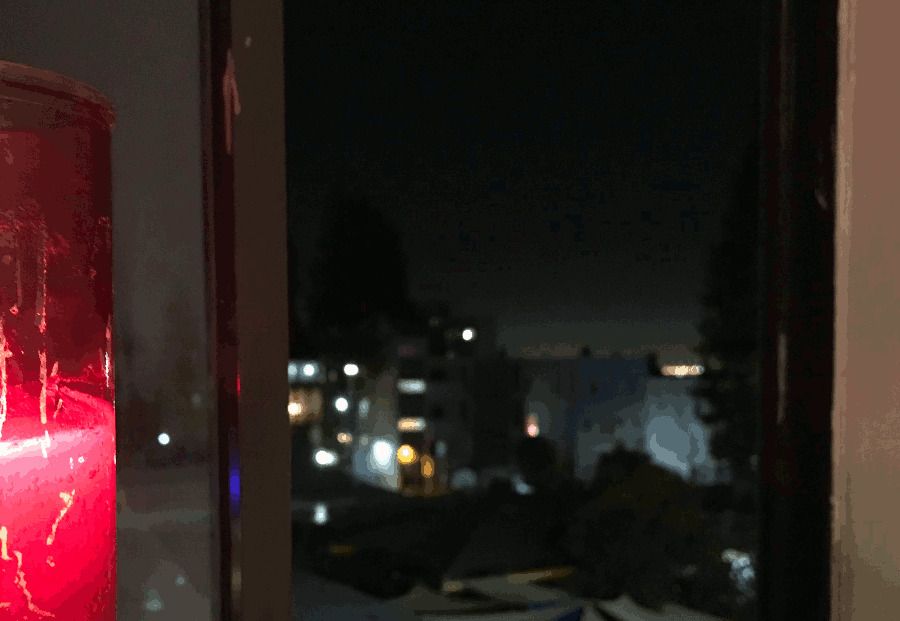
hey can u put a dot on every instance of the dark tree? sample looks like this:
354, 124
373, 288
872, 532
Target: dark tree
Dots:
359, 290
730, 334
537, 461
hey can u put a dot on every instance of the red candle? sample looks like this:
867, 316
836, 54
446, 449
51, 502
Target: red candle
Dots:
57, 421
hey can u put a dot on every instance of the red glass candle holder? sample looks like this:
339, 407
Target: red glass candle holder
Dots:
57, 421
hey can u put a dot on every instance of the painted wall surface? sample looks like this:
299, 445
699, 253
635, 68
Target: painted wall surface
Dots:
866, 537
261, 310
145, 57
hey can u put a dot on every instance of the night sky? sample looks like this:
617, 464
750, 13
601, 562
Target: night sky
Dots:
560, 166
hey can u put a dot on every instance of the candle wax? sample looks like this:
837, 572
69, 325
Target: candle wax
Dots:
57, 507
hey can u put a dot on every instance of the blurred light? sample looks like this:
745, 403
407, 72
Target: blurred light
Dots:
521, 487
295, 409
681, 370
464, 478
364, 407
411, 424
325, 458
341, 549
344, 437
153, 602
406, 455
180, 581
309, 369
320, 514
351, 370
407, 351
293, 371
411, 386
532, 427
468, 334
427, 466
743, 574
382, 452
341, 404
163, 438
234, 487
440, 448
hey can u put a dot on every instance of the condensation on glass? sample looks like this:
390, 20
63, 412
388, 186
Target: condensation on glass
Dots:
57, 421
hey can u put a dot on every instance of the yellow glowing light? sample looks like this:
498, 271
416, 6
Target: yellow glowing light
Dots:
344, 437
411, 424
406, 455
341, 549
681, 370
295, 412
427, 466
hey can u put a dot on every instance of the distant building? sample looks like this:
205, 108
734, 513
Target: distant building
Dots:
587, 406
466, 393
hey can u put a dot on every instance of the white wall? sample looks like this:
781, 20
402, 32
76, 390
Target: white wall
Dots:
866, 553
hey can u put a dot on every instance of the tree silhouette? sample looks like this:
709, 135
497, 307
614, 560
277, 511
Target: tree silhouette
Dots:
730, 333
358, 285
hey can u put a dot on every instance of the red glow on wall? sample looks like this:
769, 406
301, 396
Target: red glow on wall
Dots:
57, 422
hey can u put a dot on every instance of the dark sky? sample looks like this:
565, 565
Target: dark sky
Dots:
561, 166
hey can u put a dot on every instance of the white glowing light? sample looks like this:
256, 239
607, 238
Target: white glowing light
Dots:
295, 411
411, 386
163, 439
344, 437
382, 453
411, 425
351, 370
363, 407
293, 371
681, 370
341, 404
532, 426
320, 514
742, 571
309, 369
521, 487
468, 334
325, 458
153, 602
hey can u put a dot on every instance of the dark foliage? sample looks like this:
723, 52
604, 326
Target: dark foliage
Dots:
644, 532
359, 290
536, 461
730, 334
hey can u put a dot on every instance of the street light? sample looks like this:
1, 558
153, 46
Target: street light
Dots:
341, 404
468, 334
325, 458
406, 455
351, 369
382, 452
